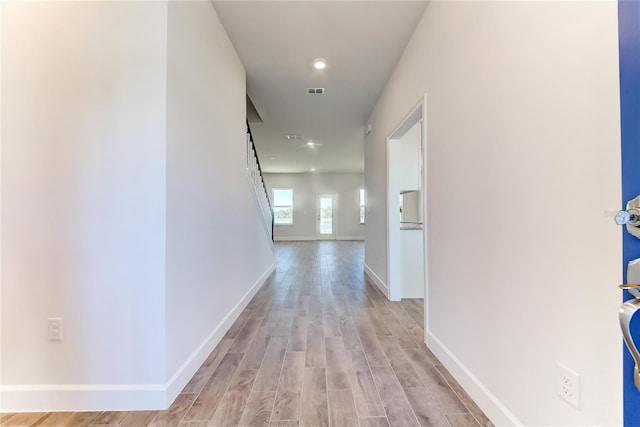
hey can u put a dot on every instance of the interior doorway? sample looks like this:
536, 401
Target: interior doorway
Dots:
326, 224
407, 210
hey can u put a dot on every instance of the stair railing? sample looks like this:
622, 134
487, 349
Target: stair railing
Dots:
254, 174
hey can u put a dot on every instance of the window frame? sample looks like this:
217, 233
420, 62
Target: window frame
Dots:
362, 202
275, 220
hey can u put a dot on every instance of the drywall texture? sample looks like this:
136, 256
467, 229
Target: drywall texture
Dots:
306, 187
216, 248
126, 210
523, 173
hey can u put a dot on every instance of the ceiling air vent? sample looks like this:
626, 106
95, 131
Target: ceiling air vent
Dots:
294, 137
315, 90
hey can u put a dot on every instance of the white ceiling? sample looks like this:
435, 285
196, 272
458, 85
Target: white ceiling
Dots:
277, 42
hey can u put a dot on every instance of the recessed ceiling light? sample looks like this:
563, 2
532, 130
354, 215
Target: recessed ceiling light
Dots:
272, 158
313, 169
319, 64
310, 144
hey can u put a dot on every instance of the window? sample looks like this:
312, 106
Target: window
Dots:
362, 205
283, 205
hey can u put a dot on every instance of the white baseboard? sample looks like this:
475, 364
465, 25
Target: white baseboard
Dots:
292, 238
490, 405
311, 238
376, 280
184, 373
121, 397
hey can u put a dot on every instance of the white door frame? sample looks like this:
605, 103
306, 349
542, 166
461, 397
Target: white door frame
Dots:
334, 198
416, 114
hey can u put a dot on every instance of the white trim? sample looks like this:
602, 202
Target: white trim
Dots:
311, 238
376, 280
121, 397
184, 373
490, 405
425, 217
293, 238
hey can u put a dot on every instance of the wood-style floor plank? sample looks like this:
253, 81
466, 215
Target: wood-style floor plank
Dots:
463, 396
462, 420
138, 419
318, 345
283, 327
243, 340
315, 357
298, 337
238, 323
371, 345
399, 363
375, 320
23, 419
397, 408
399, 332
212, 393
230, 409
331, 325
288, 398
269, 373
337, 370
53, 419
374, 422
110, 418
258, 409
284, 424
257, 349
349, 333
365, 392
81, 419
203, 374
172, 416
315, 411
425, 408
342, 410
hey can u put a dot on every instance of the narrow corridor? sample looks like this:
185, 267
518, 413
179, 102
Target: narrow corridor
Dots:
317, 346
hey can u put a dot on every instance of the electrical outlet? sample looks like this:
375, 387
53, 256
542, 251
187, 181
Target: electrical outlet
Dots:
54, 329
568, 385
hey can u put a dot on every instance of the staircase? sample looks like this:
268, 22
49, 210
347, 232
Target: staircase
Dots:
256, 182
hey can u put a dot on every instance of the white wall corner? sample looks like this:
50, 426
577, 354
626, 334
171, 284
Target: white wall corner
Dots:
489, 403
376, 280
185, 372
121, 397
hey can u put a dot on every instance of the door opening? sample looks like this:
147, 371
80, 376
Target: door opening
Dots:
326, 228
407, 265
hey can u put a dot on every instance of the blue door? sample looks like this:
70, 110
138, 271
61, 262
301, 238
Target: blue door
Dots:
629, 36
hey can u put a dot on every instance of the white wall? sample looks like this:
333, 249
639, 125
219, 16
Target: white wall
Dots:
523, 168
83, 194
216, 248
114, 217
306, 187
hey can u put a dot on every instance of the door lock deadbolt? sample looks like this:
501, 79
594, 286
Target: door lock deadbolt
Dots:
630, 217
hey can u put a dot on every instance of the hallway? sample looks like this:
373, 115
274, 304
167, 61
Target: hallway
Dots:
317, 346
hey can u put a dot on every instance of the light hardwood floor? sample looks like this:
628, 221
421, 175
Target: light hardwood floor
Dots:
317, 346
